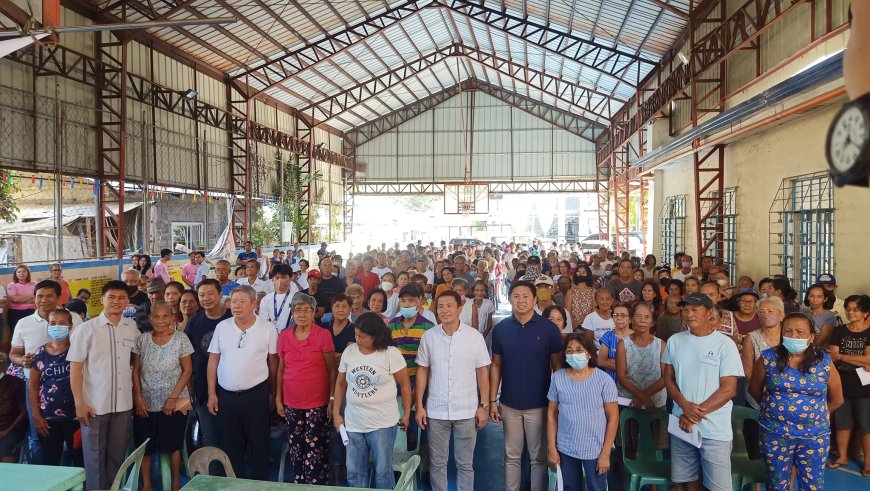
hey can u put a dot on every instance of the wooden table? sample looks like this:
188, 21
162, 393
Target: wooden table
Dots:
28, 477
201, 482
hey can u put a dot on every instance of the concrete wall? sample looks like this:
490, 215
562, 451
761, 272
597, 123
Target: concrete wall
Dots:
756, 166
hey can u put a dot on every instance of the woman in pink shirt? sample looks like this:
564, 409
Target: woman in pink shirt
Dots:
21, 296
306, 381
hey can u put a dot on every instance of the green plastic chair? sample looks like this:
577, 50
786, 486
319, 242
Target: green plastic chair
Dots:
649, 466
744, 470
133, 463
408, 478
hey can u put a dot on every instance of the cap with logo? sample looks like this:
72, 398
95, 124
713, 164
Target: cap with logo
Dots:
697, 299
315, 273
826, 279
544, 280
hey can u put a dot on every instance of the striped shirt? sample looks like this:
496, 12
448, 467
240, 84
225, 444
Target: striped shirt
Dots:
582, 421
409, 342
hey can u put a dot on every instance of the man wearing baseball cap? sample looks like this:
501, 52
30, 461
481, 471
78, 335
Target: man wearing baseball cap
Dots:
544, 287
829, 282
700, 368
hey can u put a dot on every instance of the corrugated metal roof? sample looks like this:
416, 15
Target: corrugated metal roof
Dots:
410, 33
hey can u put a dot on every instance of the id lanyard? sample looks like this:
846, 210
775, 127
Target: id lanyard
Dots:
275, 305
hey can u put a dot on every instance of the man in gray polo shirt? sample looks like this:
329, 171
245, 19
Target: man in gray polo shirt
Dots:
101, 377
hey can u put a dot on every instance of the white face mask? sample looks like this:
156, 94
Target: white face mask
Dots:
386, 286
722, 282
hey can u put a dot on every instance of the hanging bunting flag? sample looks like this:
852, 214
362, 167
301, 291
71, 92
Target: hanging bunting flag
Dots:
96, 187
4, 176
40, 182
72, 183
32, 178
194, 197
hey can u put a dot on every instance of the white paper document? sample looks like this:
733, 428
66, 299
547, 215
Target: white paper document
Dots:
560, 486
863, 375
343, 432
693, 437
623, 401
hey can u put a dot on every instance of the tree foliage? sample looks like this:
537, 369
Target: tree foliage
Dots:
8, 208
291, 186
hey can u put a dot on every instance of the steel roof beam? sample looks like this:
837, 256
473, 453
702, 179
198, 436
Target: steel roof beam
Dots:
555, 41
558, 117
286, 66
599, 111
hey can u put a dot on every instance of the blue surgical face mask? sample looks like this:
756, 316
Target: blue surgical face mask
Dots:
408, 312
795, 346
473, 274
577, 361
58, 333
608, 273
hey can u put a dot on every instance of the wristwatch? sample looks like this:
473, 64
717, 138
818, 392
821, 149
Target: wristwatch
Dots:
848, 144
483, 406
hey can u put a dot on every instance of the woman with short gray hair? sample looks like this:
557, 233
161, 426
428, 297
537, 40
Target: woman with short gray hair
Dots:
770, 312
306, 382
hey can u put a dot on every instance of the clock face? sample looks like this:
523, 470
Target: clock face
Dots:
848, 138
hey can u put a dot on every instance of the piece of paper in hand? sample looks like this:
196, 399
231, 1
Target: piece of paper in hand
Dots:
560, 485
623, 401
863, 375
343, 432
692, 438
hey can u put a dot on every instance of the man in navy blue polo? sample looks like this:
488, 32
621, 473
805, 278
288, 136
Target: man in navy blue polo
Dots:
526, 349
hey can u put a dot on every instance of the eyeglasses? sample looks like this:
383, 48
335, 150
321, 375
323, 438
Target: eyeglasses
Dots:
242, 339
620, 315
303, 310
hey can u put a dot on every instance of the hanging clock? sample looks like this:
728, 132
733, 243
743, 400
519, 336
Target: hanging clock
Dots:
848, 144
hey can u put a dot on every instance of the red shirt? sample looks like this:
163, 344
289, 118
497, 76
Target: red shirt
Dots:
306, 378
369, 281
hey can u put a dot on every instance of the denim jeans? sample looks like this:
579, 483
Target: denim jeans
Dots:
380, 444
575, 471
209, 429
33, 437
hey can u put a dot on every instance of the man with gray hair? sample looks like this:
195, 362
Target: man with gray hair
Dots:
242, 366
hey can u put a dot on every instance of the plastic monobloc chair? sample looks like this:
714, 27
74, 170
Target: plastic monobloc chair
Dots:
648, 466
744, 470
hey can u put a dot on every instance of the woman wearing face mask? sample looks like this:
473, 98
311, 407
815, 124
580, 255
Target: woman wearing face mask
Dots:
798, 387
770, 315
638, 363
609, 341
388, 284
850, 350
580, 299
50, 391
582, 417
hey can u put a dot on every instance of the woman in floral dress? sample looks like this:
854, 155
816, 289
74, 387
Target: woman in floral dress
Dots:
798, 387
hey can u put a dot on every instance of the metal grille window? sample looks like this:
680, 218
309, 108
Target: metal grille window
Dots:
729, 232
673, 218
802, 229
187, 233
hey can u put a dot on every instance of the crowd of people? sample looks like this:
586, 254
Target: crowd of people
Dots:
345, 354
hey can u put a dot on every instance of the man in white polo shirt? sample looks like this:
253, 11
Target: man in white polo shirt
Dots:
31, 333
242, 366
252, 270
101, 378
449, 356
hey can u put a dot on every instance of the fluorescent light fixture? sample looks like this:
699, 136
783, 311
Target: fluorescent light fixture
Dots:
817, 61
189, 94
683, 57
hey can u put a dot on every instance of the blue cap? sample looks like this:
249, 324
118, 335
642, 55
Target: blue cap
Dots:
826, 279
